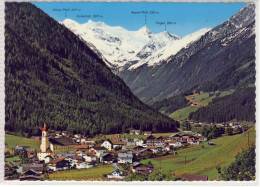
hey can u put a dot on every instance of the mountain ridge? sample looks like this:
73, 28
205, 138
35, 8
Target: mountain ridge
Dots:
224, 48
52, 76
123, 49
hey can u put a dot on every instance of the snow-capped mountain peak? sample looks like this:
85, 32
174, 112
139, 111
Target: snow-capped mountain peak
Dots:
123, 49
69, 22
144, 30
171, 47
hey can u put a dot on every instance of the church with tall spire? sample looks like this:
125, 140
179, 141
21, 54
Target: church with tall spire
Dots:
46, 148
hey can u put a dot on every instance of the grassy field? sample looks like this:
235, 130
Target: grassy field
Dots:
183, 113
95, 173
204, 159
199, 100
12, 140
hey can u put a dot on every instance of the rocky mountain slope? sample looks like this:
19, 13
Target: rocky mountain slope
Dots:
52, 76
222, 58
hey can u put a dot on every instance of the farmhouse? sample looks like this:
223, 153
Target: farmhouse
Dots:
116, 174
147, 133
117, 144
192, 140
32, 172
20, 150
134, 132
74, 160
174, 143
144, 153
88, 142
83, 165
90, 158
81, 149
97, 151
138, 142
31, 175
125, 157
33, 166
152, 141
108, 158
59, 164
107, 144
143, 169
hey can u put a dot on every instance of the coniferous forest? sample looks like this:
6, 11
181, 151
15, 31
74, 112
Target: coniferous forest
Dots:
240, 105
171, 104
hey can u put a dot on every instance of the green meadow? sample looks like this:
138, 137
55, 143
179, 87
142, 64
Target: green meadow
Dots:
202, 99
95, 173
183, 113
203, 159
12, 140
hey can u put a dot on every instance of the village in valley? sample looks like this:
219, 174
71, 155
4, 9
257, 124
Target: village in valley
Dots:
63, 151
163, 92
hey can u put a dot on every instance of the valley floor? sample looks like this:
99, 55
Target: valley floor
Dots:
199, 159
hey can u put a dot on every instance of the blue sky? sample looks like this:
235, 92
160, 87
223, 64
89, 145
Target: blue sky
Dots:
183, 18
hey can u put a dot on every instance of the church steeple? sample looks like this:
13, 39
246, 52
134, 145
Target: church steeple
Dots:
44, 141
46, 148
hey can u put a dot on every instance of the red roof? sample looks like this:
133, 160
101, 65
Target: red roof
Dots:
57, 160
44, 127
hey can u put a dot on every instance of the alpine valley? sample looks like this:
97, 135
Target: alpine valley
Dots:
158, 67
90, 101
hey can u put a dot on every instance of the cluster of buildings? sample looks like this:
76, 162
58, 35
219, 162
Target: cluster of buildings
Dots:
229, 128
88, 153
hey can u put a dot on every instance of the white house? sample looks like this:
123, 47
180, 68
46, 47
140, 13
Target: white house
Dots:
117, 174
97, 151
107, 144
90, 158
175, 143
147, 133
83, 165
125, 157
134, 131
138, 142
77, 136
86, 141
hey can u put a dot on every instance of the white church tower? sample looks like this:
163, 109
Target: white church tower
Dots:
46, 149
44, 141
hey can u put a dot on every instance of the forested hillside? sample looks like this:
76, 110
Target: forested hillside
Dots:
171, 104
240, 106
52, 76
